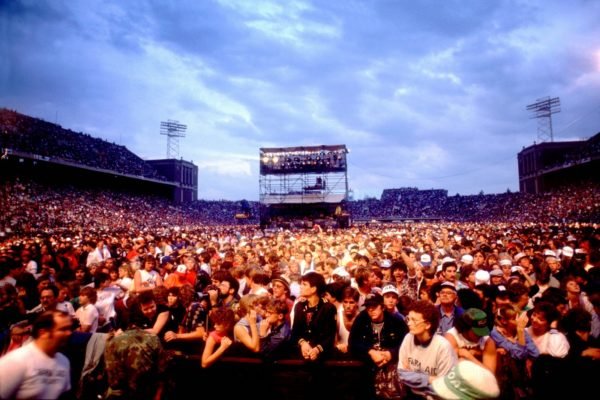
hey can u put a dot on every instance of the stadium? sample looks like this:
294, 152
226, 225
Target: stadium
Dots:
67, 197
45, 153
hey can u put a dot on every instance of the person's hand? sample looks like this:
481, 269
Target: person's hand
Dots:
593, 353
522, 321
379, 357
252, 316
305, 349
225, 342
375, 356
263, 327
212, 290
170, 335
314, 353
343, 348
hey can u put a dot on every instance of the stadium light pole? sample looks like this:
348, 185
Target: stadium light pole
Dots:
173, 130
542, 111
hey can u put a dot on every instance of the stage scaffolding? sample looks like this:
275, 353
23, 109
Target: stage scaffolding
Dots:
301, 178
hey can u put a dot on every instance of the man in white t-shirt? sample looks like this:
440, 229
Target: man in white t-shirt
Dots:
37, 370
99, 253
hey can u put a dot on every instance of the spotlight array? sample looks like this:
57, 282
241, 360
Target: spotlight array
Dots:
304, 159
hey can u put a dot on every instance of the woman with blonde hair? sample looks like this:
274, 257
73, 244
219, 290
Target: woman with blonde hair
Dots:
516, 352
245, 331
125, 280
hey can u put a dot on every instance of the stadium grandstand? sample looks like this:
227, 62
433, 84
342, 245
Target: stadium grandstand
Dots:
546, 166
26, 136
27, 142
34, 147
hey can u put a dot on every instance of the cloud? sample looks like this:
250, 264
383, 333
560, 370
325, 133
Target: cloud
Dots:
230, 167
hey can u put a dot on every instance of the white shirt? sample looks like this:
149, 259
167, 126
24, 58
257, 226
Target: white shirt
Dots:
97, 255
88, 315
32, 268
436, 359
343, 333
463, 343
126, 283
8, 280
148, 279
553, 343
29, 373
105, 304
206, 268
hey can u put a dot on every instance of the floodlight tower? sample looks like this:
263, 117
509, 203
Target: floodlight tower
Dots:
173, 130
543, 110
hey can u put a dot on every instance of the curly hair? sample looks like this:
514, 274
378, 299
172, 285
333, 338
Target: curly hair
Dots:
429, 312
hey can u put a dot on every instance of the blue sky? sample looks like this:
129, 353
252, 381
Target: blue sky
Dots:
427, 94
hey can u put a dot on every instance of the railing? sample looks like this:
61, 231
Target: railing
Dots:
290, 379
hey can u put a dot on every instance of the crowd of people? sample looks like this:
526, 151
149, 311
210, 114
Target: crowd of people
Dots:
62, 208
31, 207
585, 152
26, 134
22, 133
574, 202
415, 302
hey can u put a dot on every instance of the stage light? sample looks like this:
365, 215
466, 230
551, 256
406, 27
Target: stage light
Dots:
265, 159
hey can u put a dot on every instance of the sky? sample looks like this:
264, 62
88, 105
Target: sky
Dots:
426, 94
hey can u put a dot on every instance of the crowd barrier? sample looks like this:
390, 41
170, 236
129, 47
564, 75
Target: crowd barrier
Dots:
290, 379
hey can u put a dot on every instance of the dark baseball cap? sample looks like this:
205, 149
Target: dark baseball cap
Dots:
373, 300
477, 320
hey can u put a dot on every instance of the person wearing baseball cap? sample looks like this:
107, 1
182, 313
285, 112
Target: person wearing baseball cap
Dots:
375, 337
390, 300
447, 307
425, 260
496, 277
466, 259
382, 271
470, 339
340, 274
